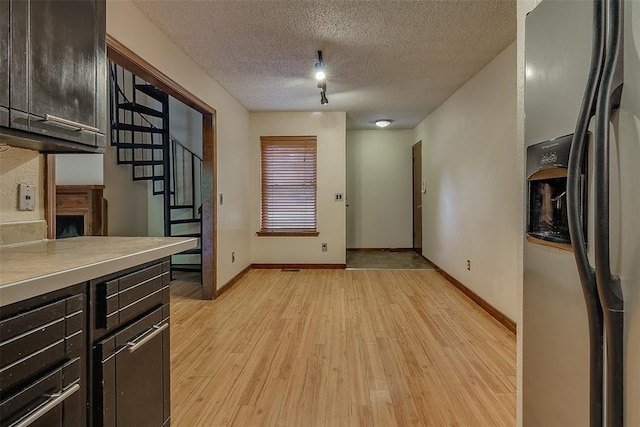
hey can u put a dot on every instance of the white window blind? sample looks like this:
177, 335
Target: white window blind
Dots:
288, 184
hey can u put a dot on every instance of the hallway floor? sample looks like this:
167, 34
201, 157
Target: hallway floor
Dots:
386, 260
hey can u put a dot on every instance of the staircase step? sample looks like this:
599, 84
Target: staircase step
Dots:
142, 109
196, 251
144, 178
185, 221
186, 267
186, 235
140, 162
137, 128
132, 145
181, 207
153, 92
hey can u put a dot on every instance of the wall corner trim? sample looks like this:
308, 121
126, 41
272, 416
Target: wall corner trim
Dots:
491, 310
235, 279
300, 266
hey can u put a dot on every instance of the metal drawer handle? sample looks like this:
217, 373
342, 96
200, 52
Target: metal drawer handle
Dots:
70, 123
54, 400
134, 345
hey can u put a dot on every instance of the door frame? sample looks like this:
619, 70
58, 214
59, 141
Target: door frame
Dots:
417, 145
126, 58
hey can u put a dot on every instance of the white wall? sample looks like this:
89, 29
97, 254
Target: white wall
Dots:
379, 188
330, 129
129, 26
79, 169
185, 125
471, 209
127, 199
19, 166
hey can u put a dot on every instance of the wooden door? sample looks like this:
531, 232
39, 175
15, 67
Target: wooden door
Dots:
417, 197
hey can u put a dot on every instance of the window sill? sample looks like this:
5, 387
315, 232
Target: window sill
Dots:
287, 233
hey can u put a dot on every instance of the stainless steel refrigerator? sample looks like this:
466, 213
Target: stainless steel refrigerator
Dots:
581, 295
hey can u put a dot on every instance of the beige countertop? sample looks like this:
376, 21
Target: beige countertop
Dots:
34, 269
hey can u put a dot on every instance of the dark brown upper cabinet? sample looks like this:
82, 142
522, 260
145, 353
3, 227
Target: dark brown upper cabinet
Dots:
57, 75
4, 62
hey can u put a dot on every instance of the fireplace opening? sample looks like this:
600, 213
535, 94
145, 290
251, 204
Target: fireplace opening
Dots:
69, 226
80, 211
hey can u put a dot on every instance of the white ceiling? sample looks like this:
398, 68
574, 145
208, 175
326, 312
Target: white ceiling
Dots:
385, 59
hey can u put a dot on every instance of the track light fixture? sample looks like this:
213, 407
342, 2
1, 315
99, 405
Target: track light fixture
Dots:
321, 76
320, 73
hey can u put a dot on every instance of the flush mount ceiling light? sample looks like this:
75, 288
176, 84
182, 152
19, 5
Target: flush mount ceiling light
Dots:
320, 73
383, 123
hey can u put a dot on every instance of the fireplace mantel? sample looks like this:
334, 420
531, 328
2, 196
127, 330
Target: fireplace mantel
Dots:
85, 200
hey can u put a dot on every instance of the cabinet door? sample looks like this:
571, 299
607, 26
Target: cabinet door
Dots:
60, 67
4, 62
136, 359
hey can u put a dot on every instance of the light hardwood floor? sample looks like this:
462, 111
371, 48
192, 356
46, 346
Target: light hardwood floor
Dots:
339, 348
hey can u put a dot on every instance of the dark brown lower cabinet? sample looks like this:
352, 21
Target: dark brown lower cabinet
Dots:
130, 358
42, 361
94, 354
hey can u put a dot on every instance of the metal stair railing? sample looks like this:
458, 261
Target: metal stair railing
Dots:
140, 133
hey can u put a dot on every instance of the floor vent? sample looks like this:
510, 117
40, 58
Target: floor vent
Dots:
290, 270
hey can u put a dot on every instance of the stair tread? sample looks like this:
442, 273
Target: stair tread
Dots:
140, 162
195, 251
185, 221
144, 178
194, 269
186, 267
142, 109
153, 92
137, 128
132, 145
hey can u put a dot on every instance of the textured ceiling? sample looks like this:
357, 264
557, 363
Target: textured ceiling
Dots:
384, 59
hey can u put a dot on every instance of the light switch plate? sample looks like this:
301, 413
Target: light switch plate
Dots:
26, 197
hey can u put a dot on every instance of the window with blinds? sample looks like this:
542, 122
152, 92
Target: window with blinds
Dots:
288, 185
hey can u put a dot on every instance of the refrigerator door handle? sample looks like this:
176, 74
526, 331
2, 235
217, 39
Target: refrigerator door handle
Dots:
575, 195
609, 287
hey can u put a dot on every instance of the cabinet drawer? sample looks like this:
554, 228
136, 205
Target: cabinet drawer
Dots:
122, 299
54, 396
37, 339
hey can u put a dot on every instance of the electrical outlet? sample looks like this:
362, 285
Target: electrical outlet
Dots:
324, 247
469, 265
26, 197
221, 199
338, 197
233, 257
